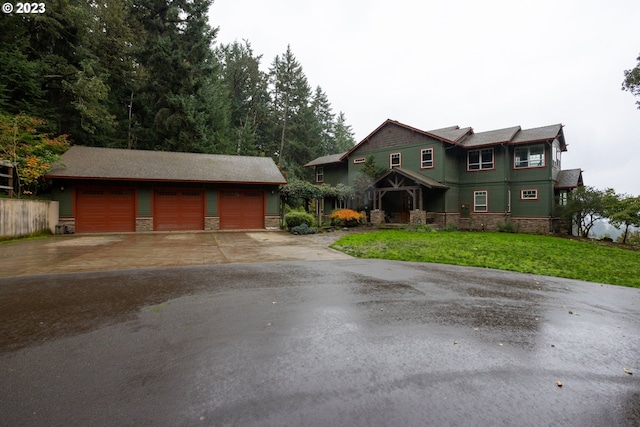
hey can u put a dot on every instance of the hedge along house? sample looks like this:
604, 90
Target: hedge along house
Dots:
454, 176
116, 190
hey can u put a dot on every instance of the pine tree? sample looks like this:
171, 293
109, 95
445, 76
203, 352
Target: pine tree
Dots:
344, 139
246, 89
290, 93
181, 107
326, 123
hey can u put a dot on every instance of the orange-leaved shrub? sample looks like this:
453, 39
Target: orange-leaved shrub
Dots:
346, 217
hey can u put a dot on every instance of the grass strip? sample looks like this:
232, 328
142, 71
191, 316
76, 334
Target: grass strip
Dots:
524, 253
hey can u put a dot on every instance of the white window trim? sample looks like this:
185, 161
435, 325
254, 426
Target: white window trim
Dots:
486, 205
391, 165
528, 148
422, 151
480, 163
359, 160
319, 174
535, 194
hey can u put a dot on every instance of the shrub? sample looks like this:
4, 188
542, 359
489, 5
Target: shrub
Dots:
346, 217
303, 229
450, 227
296, 218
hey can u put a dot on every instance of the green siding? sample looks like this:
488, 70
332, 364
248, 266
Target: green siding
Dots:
144, 201
335, 174
63, 193
273, 201
212, 202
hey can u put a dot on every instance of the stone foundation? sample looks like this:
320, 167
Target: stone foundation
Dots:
532, 225
66, 226
212, 223
144, 224
272, 222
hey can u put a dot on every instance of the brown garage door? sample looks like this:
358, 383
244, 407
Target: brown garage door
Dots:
101, 209
241, 210
178, 209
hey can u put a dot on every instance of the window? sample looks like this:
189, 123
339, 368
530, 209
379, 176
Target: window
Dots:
529, 194
563, 198
359, 160
426, 158
557, 154
395, 160
480, 201
319, 174
480, 159
529, 157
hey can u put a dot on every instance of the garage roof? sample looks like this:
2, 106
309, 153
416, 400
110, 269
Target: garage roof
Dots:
119, 164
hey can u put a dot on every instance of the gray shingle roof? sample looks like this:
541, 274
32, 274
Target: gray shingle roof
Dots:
453, 133
500, 136
325, 160
570, 178
112, 163
544, 133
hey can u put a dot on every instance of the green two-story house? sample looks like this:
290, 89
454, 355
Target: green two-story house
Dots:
455, 176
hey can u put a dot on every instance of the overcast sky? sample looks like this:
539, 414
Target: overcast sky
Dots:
487, 64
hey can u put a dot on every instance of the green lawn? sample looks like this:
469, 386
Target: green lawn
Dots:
525, 253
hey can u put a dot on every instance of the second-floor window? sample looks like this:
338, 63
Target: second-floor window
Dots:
319, 174
480, 159
395, 160
529, 157
426, 158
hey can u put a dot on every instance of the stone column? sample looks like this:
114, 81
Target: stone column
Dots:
377, 217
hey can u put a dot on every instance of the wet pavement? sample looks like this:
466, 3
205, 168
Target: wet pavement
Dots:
316, 343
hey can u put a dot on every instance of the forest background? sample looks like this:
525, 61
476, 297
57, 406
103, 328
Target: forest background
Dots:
149, 75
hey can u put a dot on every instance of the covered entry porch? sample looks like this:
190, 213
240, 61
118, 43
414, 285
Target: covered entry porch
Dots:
402, 197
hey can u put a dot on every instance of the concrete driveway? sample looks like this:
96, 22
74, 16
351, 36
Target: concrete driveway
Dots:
99, 252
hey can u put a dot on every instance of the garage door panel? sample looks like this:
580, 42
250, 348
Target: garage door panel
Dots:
241, 210
105, 210
178, 210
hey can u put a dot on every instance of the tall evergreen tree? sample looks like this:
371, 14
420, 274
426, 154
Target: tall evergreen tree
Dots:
246, 89
326, 125
181, 107
344, 139
290, 94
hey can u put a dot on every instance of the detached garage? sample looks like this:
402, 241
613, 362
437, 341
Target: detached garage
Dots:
115, 190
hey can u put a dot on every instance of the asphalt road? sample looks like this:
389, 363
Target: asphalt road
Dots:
327, 343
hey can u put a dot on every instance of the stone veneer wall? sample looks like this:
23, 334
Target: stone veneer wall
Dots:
532, 225
68, 225
272, 222
377, 217
212, 223
144, 224
417, 217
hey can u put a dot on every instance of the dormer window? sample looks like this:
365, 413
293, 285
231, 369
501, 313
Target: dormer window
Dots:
528, 157
395, 160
